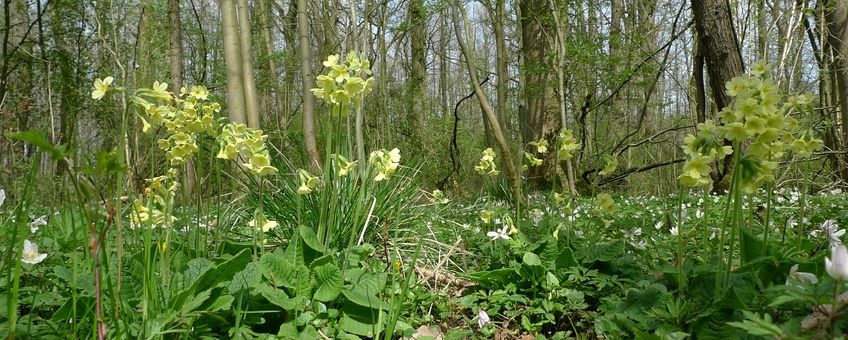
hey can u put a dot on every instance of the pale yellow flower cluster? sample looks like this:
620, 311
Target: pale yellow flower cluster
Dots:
240, 140
757, 117
342, 86
487, 163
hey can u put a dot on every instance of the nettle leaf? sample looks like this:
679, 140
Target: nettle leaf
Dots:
328, 279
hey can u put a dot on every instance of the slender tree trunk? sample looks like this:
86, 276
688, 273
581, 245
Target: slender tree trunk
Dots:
501, 61
251, 100
444, 37
233, 63
503, 145
307, 80
418, 56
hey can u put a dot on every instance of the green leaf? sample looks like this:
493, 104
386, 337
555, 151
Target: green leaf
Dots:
491, 278
245, 279
277, 297
220, 303
531, 259
308, 236
37, 139
280, 270
219, 273
566, 258
358, 320
759, 326
328, 279
366, 291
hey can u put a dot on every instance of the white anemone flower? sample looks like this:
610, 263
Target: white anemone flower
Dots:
30, 254
795, 277
837, 265
2, 197
834, 234
38, 222
501, 233
632, 234
483, 318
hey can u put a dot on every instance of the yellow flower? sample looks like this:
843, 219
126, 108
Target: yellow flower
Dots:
332, 60
161, 90
307, 182
485, 216
533, 160
385, 162
260, 165
610, 164
605, 203
759, 67
101, 86
541, 145
736, 86
344, 166
200, 92
735, 131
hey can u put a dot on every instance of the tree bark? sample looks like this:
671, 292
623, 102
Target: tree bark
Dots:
723, 60
232, 61
418, 71
307, 81
251, 101
501, 61
540, 108
503, 145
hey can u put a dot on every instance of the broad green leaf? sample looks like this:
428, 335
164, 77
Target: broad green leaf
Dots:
279, 270
531, 259
491, 278
220, 303
245, 279
328, 279
358, 320
219, 273
277, 297
308, 236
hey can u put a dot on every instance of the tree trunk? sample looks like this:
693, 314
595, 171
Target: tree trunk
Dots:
503, 145
307, 80
541, 120
501, 61
69, 98
836, 17
417, 74
251, 100
232, 61
723, 60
